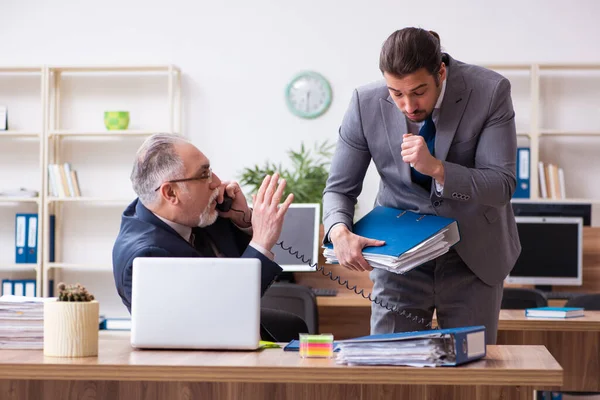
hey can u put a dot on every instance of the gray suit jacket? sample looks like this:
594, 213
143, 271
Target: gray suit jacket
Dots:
476, 141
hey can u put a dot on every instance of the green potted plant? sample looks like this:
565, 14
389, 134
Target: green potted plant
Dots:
71, 323
306, 178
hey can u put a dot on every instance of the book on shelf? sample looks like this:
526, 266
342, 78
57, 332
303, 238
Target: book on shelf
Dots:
552, 181
554, 312
63, 181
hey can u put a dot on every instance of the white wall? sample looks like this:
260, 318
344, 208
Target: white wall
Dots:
238, 56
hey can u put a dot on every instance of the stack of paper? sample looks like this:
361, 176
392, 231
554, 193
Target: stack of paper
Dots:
22, 322
418, 353
410, 239
444, 347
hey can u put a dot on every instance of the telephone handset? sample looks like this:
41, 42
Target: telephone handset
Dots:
226, 206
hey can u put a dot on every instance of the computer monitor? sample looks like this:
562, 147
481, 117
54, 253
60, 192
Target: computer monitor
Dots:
300, 232
551, 251
528, 208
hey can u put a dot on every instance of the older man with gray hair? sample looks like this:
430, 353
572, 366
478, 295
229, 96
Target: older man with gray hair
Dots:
176, 215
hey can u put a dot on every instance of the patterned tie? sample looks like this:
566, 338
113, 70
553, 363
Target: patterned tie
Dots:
428, 133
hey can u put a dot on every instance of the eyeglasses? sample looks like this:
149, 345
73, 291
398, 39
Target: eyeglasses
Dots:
205, 176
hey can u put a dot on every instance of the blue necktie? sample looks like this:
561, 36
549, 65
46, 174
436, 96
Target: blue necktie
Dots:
428, 133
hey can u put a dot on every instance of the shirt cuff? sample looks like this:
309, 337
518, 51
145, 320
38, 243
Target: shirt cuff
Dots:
264, 251
247, 231
330, 229
439, 188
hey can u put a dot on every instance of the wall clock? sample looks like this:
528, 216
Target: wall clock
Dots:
308, 95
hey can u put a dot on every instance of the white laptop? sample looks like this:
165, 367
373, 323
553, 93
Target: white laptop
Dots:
195, 303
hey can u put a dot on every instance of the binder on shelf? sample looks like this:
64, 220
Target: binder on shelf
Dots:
51, 239
7, 287
436, 347
21, 230
411, 239
29, 288
522, 190
3, 118
18, 288
32, 236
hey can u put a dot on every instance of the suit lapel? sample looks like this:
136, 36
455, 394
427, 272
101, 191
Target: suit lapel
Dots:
451, 111
395, 127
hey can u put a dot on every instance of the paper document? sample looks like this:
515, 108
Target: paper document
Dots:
411, 239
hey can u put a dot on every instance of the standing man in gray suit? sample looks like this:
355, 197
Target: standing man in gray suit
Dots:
442, 136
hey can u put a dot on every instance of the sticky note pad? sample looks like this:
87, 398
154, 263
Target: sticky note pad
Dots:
316, 345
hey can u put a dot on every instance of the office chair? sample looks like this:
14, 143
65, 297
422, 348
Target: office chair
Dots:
587, 301
521, 299
296, 299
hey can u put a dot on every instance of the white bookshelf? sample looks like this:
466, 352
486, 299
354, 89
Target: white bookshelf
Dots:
559, 201
82, 249
541, 78
100, 135
558, 132
92, 200
20, 134
81, 267
18, 267
16, 199
23, 91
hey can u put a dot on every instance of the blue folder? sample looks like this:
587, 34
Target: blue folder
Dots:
32, 239
21, 229
522, 190
468, 343
400, 229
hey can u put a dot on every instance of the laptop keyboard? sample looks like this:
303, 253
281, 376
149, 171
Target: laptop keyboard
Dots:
561, 295
324, 291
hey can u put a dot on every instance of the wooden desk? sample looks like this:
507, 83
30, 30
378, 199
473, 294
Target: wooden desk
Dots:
119, 372
346, 315
574, 342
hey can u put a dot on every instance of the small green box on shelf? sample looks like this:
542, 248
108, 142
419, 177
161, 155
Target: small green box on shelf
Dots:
116, 120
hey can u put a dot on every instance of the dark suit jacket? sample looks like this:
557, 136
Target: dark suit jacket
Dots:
142, 234
476, 141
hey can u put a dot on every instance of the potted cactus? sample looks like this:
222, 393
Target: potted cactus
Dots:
71, 323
